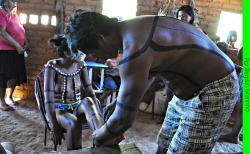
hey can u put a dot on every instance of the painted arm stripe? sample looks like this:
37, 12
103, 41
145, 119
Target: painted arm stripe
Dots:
125, 107
143, 49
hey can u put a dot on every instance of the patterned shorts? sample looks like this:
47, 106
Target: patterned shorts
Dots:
193, 126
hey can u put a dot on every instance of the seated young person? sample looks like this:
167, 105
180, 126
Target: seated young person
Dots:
65, 80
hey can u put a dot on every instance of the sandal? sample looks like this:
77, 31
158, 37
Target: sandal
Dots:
6, 108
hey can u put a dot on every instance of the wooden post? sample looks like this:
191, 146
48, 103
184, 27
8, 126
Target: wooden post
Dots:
59, 17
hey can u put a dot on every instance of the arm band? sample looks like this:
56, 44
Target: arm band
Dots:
109, 130
125, 107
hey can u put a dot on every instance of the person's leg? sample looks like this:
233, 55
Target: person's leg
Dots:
94, 118
71, 124
8, 97
204, 117
169, 127
3, 105
11, 85
233, 136
90, 110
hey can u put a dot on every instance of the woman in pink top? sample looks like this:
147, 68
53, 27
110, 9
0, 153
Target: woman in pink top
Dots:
12, 46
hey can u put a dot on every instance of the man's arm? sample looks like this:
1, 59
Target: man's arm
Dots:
134, 83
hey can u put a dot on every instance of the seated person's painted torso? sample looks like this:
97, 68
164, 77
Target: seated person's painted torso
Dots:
171, 55
68, 87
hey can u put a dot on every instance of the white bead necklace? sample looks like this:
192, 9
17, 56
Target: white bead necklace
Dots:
65, 77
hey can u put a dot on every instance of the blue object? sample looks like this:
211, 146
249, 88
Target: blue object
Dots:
109, 83
92, 64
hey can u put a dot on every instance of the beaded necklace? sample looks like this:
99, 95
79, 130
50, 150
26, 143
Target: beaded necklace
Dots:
65, 78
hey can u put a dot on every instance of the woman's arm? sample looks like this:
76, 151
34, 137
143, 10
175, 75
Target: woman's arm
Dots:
134, 83
10, 40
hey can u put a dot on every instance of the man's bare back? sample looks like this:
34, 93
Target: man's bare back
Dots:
185, 57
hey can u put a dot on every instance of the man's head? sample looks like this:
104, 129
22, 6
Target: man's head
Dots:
84, 29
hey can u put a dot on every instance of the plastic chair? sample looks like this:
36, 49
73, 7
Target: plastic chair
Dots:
39, 94
41, 106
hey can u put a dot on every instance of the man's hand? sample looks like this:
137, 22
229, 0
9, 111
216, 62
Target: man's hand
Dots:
95, 136
98, 142
108, 110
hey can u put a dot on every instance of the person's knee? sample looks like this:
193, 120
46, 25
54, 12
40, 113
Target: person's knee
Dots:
70, 124
87, 101
74, 125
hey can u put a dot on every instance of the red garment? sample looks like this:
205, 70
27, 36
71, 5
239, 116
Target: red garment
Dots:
13, 27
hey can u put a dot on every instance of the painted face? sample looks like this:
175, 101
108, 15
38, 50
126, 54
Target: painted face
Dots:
183, 16
106, 49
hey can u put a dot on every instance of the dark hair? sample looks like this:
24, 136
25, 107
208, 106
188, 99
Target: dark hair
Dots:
189, 10
85, 26
223, 47
217, 38
60, 43
1, 4
230, 34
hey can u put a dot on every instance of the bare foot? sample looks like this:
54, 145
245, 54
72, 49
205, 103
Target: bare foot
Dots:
229, 138
11, 101
6, 107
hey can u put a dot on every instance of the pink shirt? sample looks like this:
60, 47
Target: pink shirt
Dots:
14, 28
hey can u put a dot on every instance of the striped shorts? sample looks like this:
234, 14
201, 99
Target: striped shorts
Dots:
193, 126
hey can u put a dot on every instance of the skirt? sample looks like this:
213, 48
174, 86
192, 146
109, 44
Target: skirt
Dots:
12, 69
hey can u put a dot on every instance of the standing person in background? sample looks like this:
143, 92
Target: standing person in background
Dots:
232, 38
186, 14
13, 44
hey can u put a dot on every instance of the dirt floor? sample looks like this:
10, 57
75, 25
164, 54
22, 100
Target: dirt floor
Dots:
24, 127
